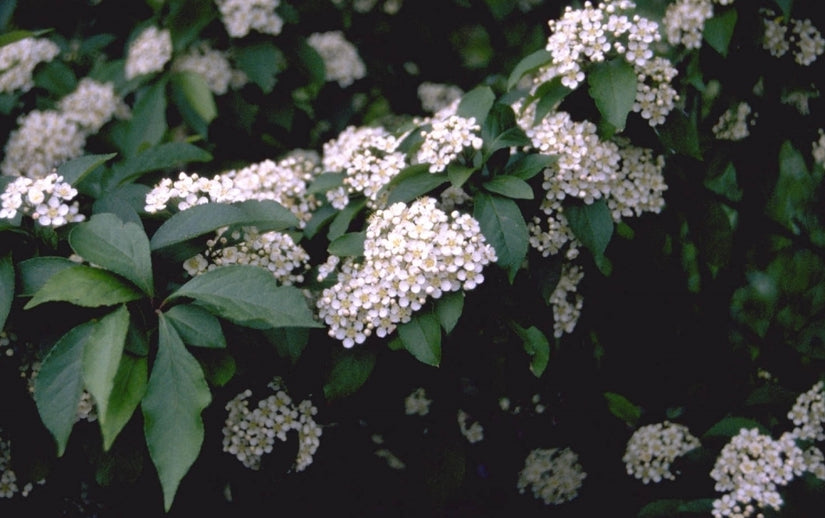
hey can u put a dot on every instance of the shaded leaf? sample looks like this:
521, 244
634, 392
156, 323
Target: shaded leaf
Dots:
196, 326
340, 223
120, 247
528, 166
84, 286
175, 396
504, 228
449, 308
536, 345
528, 64
59, 384
248, 296
129, 388
288, 341
148, 123
476, 104
75, 170
731, 426
422, 338
194, 100
510, 186
201, 219
348, 245
592, 224
6, 288
163, 156
613, 88
101, 358
350, 370
718, 31
36, 271
261, 63
622, 408
413, 182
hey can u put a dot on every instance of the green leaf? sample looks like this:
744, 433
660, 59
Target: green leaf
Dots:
13, 36
726, 184
194, 99
129, 388
680, 134
718, 31
613, 88
36, 271
731, 426
148, 123
288, 341
536, 345
422, 338
476, 104
187, 19
120, 247
101, 358
449, 308
169, 155
56, 77
350, 370
176, 395
510, 186
248, 296
504, 227
661, 509
413, 182
340, 223
76, 169
528, 64
794, 189
261, 62
785, 6
459, 174
59, 384
548, 96
528, 166
326, 182
126, 202
201, 219
622, 408
218, 366
196, 326
500, 130
84, 286
592, 224
348, 245
323, 215
6, 288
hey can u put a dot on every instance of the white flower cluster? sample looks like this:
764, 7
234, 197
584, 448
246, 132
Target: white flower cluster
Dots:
341, 60
806, 39
148, 52
250, 434
284, 181
566, 301
808, 414
447, 138
473, 432
553, 475
213, 65
435, 96
92, 105
417, 403
410, 253
8, 478
369, 158
42, 141
45, 200
685, 20
274, 251
590, 34
818, 149
652, 448
735, 123
242, 16
19, 59
451, 197
752, 466
46, 139
640, 184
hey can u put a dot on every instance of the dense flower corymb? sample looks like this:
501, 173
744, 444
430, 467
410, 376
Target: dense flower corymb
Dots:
553, 475
653, 448
45, 200
341, 60
149, 52
242, 16
19, 59
410, 253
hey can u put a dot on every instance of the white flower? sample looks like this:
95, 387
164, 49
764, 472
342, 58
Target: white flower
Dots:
149, 52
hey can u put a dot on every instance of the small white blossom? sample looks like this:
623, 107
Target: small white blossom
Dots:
149, 52
553, 475
652, 449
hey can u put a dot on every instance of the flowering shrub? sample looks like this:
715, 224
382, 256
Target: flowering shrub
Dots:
488, 256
